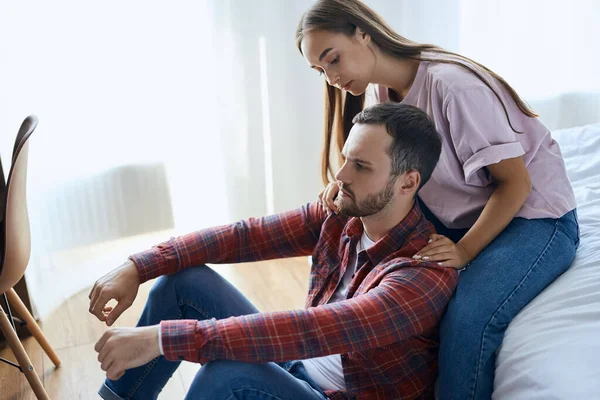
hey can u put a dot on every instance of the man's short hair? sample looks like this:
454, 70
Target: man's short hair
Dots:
416, 143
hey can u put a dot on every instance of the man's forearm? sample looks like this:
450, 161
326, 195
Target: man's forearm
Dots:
290, 234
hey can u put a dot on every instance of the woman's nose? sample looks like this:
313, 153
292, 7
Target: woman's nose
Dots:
333, 80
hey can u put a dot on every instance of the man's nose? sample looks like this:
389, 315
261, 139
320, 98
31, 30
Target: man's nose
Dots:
342, 174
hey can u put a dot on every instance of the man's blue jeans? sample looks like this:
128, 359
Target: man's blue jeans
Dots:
201, 293
514, 268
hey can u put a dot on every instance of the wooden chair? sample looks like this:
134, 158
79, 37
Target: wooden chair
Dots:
15, 248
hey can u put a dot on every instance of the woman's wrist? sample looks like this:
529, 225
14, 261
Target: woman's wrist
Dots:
471, 251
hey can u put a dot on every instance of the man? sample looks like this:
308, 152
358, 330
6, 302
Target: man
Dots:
370, 326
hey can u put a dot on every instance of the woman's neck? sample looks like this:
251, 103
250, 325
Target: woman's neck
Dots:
394, 73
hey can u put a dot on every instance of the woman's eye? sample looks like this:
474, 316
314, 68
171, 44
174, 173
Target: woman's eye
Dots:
320, 73
359, 166
335, 60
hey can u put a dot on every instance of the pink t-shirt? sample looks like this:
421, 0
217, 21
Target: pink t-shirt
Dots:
475, 133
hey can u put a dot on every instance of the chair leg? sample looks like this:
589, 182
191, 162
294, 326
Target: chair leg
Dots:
17, 348
34, 328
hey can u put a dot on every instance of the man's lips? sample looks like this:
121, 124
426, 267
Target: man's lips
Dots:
346, 193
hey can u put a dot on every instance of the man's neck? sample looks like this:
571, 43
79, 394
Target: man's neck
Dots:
378, 225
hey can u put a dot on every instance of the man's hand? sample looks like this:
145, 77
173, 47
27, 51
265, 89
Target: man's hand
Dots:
121, 284
445, 252
120, 349
327, 197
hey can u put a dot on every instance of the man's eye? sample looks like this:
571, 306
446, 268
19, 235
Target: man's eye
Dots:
359, 166
335, 60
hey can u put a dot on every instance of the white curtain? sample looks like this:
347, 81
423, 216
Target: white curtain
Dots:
137, 102
154, 116
128, 139
115, 84
546, 49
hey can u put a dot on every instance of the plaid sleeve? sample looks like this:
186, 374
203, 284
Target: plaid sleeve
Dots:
407, 302
290, 234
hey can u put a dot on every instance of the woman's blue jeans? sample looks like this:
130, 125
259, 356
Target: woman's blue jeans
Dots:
201, 293
514, 268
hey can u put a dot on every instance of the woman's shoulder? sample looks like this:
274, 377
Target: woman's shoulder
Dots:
452, 79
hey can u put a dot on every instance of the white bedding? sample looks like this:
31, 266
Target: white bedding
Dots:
551, 350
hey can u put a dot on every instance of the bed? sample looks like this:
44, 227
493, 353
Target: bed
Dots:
551, 350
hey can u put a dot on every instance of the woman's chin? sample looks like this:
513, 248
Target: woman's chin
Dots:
356, 91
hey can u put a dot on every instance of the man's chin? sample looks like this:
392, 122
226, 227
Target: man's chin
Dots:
348, 211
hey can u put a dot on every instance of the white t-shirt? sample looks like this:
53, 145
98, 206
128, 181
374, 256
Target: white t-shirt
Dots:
327, 371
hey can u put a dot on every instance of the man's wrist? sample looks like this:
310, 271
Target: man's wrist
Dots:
160, 346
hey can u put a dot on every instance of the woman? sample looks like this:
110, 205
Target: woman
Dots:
499, 196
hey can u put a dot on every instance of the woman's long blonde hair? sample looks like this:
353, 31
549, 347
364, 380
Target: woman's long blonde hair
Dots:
344, 16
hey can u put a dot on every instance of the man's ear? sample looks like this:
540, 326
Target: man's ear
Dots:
410, 182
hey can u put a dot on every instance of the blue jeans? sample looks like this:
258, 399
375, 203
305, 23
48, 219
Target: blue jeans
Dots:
514, 268
201, 293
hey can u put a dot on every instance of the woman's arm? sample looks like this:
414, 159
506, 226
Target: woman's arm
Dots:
513, 188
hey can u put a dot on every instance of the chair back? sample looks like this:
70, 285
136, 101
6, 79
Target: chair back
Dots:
15, 236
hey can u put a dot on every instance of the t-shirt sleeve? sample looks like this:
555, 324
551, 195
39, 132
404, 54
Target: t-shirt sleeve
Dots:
481, 133
380, 93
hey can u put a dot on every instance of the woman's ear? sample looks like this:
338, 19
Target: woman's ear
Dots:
362, 36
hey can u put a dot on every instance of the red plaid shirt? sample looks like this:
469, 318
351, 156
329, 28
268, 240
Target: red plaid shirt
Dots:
386, 330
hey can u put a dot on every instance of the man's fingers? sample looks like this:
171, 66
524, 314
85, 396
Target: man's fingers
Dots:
114, 373
107, 364
116, 312
102, 341
320, 197
119, 376
332, 191
322, 200
92, 290
95, 297
103, 298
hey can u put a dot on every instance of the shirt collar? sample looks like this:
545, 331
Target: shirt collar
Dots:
392, 241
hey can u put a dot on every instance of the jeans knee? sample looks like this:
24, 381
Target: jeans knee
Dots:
217, 368
174, 282
216, 375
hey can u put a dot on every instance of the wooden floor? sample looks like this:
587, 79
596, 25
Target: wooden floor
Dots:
72, 331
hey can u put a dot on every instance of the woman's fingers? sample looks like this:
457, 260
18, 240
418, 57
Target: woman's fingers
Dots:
444, 248
435, 237
439, 257
435, 243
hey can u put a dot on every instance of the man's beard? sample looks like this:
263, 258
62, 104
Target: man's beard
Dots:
372, 204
